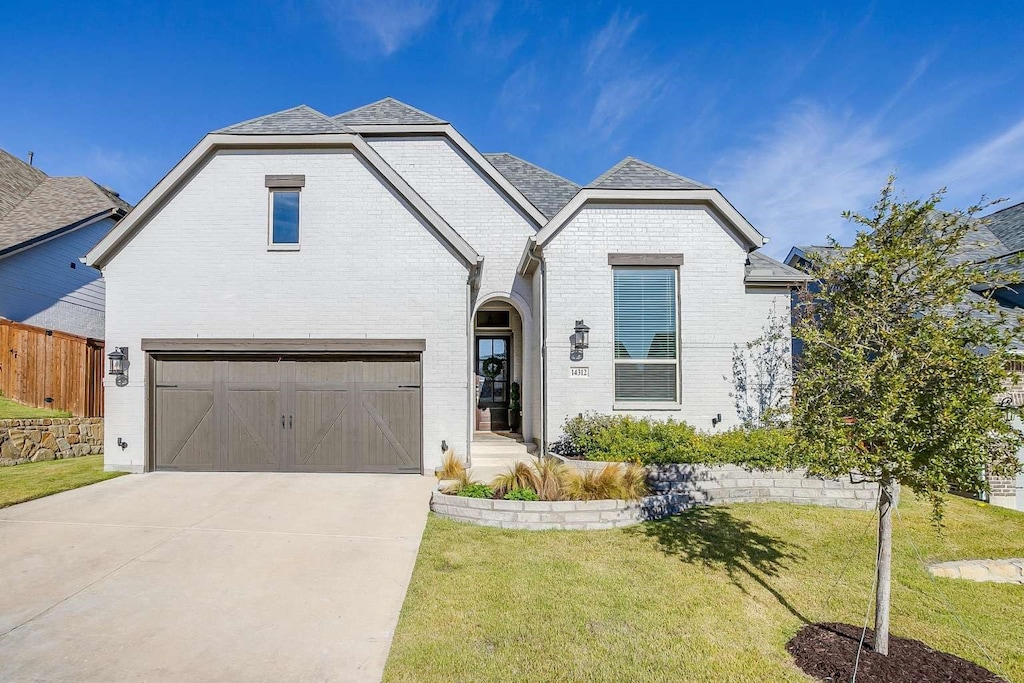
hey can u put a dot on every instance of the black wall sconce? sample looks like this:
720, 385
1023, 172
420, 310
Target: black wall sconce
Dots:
716, 420
119, 365
580, 340
444, 446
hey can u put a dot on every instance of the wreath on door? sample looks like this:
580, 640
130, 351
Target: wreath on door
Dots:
492, 367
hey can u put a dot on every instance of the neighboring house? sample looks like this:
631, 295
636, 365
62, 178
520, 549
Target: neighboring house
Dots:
46, 225
998, 243
357, 292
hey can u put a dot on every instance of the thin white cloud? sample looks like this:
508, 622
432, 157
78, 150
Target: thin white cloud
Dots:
993, 167
618, 78
795, 181
389, 24
607, 45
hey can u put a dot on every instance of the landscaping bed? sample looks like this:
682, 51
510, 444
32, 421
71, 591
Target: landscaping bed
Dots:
828, 652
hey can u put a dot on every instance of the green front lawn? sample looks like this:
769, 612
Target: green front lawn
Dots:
19, 483
13, 410
711, 595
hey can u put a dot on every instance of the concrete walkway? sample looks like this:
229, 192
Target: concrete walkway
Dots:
209, 577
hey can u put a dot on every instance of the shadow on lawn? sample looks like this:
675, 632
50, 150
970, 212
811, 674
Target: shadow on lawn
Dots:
712, 537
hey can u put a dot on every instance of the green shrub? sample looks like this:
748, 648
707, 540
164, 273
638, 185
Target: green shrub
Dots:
522, 494
475, 490
623, 438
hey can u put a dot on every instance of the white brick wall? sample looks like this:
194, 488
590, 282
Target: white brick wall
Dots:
716, 311
485, 218
366, 268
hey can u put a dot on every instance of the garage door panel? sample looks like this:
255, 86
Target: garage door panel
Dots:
185, 430
254, 429
328, 372
340, 414
323, 430
390, 429
185, 372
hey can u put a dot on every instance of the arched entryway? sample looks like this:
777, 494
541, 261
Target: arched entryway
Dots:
502, 367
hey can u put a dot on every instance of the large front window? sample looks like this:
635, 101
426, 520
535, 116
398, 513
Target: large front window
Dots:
646, 348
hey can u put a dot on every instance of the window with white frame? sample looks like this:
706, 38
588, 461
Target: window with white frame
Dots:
646, 344
284, 210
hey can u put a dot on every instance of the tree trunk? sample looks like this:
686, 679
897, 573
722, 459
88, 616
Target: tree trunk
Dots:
884, 579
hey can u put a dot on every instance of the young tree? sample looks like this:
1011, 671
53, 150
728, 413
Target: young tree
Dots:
902, 365
762, 375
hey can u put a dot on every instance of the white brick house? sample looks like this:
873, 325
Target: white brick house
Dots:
311, 293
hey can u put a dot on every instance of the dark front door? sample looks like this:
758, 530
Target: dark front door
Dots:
493, 367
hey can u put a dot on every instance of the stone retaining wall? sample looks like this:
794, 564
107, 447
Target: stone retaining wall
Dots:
539, 515
721, 484
675, 488
49, 439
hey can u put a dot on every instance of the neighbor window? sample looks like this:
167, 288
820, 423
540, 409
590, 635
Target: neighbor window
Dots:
284, 217
646, 353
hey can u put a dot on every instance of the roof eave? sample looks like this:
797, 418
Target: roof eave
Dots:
706, 197
448, 130
58, 232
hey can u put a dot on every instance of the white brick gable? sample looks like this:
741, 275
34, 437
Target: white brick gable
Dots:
366, 268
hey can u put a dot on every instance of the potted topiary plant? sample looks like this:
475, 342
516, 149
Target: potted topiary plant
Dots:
515, 407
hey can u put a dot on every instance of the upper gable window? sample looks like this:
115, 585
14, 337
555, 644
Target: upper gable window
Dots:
284, 210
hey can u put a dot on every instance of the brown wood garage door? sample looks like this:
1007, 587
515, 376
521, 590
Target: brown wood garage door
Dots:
291, 415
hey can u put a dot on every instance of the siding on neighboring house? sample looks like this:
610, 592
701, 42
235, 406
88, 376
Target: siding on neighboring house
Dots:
39, 287
715, 309
367, 267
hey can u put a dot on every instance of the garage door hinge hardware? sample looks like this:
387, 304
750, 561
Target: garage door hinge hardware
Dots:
408, 386
166, 386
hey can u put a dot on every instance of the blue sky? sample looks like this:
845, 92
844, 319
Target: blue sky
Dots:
795, 112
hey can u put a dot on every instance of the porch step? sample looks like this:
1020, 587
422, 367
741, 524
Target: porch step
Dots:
487, 449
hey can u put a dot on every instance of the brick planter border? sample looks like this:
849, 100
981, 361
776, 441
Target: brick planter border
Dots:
676, 488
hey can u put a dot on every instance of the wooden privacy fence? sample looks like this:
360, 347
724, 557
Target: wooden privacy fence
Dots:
51, 369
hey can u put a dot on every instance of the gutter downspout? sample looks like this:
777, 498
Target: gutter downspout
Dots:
529, 254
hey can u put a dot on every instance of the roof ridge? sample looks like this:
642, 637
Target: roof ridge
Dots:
394, 100
1005, 208
663, 170
607, 174
537, 166
342, 128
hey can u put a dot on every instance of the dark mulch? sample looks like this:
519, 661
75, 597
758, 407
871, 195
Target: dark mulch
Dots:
827, 652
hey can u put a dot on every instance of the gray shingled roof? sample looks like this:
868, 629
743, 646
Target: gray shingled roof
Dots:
1008, 225
761, 267
633, 174
17, 180
386, 111
300, 120
545, 190
48, 205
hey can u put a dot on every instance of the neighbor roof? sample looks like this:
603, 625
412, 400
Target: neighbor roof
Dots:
300, 120
545, 190
1008, 225
386, 111
633, 174
49, 205
763, 268
17, 179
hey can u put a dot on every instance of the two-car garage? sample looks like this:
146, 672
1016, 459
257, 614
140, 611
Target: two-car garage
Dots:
304, 406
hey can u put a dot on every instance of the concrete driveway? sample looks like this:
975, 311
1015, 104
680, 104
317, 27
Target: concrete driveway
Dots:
209, 577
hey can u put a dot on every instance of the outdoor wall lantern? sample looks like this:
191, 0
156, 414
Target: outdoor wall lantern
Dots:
119, 365
580, 340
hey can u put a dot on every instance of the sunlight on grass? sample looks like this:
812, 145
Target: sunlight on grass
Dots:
20, 483
712, 595
13, 410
